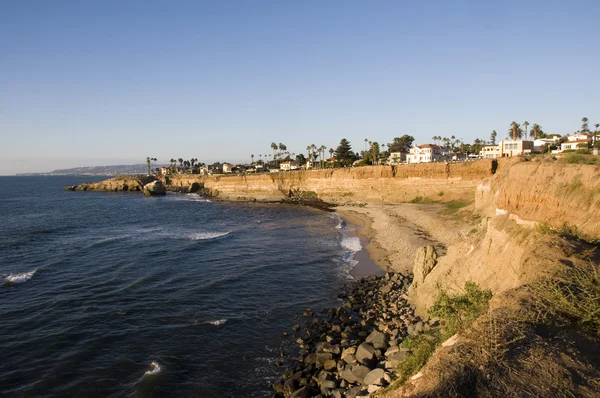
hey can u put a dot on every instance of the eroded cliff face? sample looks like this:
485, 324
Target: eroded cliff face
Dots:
377, 184
506, 251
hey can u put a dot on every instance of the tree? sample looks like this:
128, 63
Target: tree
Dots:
322, 153
374, 153
526, 124
493, 137
536, 131
401, 144
148, 159
343, 153
366, 140
515, 132
584, 126
274, 148
252, 157
300, 159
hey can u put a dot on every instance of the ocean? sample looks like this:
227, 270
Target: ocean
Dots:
122, 295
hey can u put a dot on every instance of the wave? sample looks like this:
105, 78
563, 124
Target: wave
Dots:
155, 369
341, 224
20, 278
208, 235
190, 197
351, 243
217, 322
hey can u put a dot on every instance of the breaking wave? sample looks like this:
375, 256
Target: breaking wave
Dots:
155, 369
20, 278
351, 243
217, 322
208, 235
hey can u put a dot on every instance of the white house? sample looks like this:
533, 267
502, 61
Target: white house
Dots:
491, 152
538, 145
289, 165
396, 157
427, 153
507, 148
227, 168
574, 144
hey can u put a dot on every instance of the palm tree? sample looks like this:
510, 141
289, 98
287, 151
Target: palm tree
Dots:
515, 132
148, 160
493, 137
584, 126
274, 148
536, 131
366, 140
313, 147
322, 151
526, 124
252, 157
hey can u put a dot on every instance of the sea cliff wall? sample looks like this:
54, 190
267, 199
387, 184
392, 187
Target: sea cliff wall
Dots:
376, 184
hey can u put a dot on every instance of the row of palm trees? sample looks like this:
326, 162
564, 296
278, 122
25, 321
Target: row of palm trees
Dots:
280, 152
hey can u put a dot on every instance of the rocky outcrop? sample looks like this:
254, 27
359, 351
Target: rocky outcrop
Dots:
155, 188
116, 184
425, 260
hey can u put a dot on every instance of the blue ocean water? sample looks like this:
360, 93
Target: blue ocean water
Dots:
117, 294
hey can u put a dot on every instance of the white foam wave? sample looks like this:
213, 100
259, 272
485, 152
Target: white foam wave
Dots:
217, 322
20, 278
341, 224
190, 197
351, 243
208, 235
155, 369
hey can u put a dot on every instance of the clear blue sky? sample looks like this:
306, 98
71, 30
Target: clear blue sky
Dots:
109, 82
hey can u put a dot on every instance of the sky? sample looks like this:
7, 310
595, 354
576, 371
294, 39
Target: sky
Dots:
86, 82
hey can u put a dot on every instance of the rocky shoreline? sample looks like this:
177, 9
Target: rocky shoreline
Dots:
351, 351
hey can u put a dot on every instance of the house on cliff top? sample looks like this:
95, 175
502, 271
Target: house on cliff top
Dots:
427, 153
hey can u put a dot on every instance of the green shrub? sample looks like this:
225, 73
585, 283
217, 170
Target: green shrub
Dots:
456, 313
422, 346
565, 229
578, 158
571, 297
459, 312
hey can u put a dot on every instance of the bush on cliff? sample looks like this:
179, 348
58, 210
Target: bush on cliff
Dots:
456, 313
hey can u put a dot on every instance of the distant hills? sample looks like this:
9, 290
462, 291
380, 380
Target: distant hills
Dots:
96, 170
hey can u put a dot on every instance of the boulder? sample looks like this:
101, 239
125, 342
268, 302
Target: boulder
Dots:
360, 372
155, 188
425, 261
365, 352
374, 377
377, 339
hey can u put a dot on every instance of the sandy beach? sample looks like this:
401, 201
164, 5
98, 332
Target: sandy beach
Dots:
393, 233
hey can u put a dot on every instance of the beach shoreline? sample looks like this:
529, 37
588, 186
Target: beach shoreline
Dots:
392, 234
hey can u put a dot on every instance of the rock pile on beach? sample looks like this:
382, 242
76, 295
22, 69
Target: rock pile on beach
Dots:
352, 350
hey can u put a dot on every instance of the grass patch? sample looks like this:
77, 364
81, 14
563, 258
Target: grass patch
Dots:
456, 313
423, 200
422, 347
565, 230
572, 297
459, 312
578, 158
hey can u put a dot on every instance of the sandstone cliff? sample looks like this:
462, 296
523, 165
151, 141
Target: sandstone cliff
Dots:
376, 184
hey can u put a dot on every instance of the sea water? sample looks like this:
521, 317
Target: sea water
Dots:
118, 294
